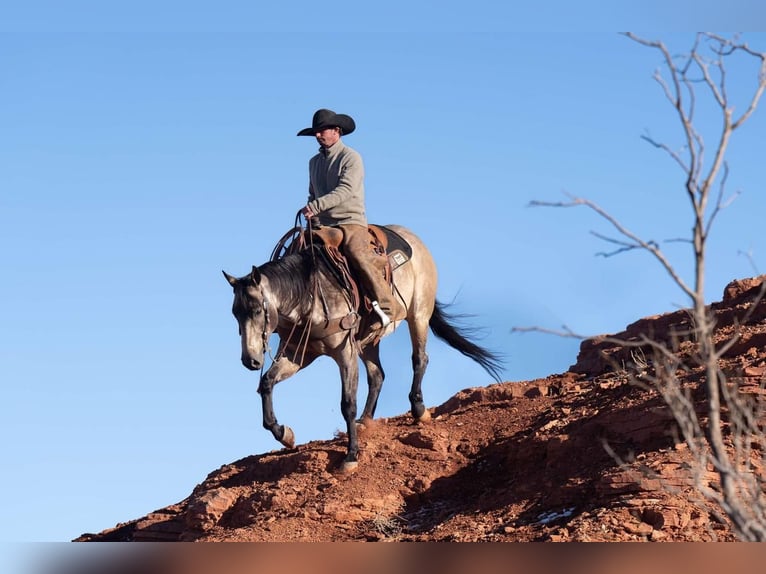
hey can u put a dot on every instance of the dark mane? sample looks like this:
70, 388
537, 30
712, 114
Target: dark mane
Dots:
290, 277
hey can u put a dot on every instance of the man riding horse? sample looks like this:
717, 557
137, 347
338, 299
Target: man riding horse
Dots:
280, 297
336, 198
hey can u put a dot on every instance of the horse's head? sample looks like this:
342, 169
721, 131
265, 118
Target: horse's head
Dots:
256, 320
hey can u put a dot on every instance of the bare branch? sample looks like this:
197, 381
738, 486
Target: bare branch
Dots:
749, 255
718, 90
720, 203
635, 241
728, 47
625, 246
731, 429
565, 332
675, 155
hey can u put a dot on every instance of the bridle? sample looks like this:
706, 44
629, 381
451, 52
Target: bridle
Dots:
266, 323
294, 240
268, 329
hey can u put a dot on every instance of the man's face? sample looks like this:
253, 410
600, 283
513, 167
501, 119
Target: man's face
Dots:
328, 136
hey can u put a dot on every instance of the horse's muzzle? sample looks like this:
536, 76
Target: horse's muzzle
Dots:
251, 363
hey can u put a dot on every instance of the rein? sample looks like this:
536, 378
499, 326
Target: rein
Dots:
266, 324
295, 241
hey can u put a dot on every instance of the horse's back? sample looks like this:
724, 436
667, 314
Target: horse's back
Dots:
420, 253
416, 280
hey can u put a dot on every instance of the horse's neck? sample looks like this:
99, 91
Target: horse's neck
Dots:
291, 285
303, 289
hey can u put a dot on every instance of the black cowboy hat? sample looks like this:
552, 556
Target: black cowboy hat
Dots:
329, 119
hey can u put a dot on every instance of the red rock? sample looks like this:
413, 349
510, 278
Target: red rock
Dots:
205, 510
500, 455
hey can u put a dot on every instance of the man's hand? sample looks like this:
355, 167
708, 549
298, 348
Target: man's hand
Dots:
307, 213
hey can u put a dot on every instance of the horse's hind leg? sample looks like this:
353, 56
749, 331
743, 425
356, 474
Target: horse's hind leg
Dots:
418, 336
375, 377
281, 369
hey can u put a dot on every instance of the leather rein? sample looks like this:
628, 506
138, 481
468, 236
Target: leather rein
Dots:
292, 242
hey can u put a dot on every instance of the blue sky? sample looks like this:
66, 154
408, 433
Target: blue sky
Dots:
145, 149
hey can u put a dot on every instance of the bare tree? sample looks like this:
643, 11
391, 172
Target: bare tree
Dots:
685, 80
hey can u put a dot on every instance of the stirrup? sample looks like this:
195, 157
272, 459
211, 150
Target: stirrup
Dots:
384, 319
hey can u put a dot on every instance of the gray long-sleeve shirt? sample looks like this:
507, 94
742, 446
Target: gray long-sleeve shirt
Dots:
336, 186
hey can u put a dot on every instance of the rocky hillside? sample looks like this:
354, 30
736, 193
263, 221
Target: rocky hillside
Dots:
516, 461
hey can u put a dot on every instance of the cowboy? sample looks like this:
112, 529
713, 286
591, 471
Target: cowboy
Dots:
336, 197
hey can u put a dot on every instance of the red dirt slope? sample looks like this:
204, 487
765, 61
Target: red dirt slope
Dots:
517, 461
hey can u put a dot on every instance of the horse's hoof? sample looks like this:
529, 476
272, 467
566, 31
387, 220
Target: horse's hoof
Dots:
288, 438
424, 418
349, 467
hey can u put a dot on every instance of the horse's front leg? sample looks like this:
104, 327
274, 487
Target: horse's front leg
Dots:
280, 370
349, 376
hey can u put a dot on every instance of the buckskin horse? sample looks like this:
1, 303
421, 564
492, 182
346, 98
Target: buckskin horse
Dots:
299, 297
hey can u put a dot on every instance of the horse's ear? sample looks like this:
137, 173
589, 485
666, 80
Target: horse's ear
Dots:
255, 276
232, 280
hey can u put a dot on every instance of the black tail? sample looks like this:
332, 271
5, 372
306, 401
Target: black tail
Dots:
441, 327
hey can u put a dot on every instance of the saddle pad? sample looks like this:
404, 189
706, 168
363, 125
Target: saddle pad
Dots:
398, 250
